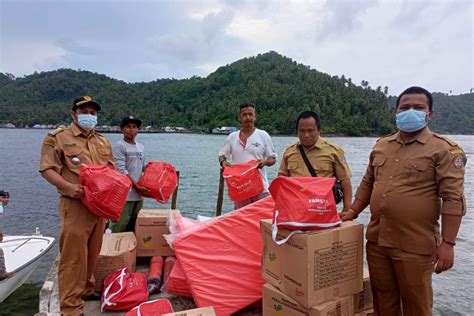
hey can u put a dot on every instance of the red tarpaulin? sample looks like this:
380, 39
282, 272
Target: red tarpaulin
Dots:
222, 259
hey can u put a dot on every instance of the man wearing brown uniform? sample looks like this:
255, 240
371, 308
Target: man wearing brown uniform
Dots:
413, 177
62, 153
326, 158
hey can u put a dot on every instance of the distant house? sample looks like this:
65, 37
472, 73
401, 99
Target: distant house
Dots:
169, 129
9, 125
224, 130
181, 129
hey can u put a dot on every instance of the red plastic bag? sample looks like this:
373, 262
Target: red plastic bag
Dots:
161, 179
155, 274
170, 261
124, 290
303, 203
152, 308
178, 225
243, 180
105, 190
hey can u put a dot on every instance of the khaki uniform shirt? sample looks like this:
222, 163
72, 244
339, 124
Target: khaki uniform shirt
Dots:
62, 145
326, 158
408, 186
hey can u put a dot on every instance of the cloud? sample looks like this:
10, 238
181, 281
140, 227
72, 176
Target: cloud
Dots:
342, 17
385, 42
26, 57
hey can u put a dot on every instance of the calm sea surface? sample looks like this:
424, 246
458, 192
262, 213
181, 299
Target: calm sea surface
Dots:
33, 201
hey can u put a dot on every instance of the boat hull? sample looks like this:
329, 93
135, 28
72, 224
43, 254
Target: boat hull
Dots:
22, 256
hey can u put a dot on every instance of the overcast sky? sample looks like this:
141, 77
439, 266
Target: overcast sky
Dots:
388, 43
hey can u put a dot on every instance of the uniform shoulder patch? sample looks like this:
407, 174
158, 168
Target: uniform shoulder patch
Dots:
449, 141
336, 147
56, 131
49, 141
459, 161
385, 136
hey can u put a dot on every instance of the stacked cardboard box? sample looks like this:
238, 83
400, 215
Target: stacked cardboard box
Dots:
363, 300
149, 229
277, 303
203, 311
369, 312
118, 251
314, 273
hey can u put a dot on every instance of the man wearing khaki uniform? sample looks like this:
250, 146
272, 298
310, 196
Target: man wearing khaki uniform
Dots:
327, 159
62, 153
413, 177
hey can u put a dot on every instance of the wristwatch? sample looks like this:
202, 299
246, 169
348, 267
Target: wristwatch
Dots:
449, 242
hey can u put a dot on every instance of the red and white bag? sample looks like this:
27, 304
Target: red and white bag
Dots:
152, 308
303, 203
161, 179
243, 180
105, 190
124, 290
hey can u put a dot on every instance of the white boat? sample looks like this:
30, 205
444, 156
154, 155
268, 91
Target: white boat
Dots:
22, 256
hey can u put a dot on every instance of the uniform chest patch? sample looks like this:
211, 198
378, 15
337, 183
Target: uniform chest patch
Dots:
256, 145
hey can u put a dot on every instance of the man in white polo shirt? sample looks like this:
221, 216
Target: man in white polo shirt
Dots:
249, 143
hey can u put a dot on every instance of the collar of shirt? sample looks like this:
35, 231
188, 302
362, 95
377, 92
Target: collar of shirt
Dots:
422, 137
76, 131
319, 144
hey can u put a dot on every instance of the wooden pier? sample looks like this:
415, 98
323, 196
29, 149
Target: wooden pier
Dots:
49, 298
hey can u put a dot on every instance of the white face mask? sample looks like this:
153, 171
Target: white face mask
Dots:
87, 121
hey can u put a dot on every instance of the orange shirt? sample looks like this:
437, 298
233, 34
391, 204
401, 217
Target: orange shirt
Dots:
408, 186
62, 145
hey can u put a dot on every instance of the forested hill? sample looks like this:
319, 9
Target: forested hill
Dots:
280, 87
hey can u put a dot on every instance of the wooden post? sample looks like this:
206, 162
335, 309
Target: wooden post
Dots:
220, 194
174, 198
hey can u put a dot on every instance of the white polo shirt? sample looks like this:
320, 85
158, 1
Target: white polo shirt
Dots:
259, 146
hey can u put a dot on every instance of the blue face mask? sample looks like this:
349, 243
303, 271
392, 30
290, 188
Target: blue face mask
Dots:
87, 121
411, 120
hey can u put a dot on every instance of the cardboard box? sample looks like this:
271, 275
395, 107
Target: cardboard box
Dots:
204, 311
118, 251
149, 229
364, 300
276, 303
369, 312
316, 266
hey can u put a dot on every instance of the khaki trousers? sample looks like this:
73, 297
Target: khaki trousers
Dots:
79, 246
400, 281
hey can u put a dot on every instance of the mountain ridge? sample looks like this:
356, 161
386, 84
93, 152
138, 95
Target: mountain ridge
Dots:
280, 87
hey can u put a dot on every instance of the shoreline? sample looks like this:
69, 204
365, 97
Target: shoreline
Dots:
102, 131
220, 134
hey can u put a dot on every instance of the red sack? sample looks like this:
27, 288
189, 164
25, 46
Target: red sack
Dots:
303, 203
161, 179
152, 308
105, 190
243, 180
124, 290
